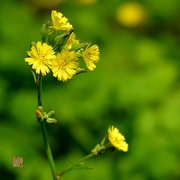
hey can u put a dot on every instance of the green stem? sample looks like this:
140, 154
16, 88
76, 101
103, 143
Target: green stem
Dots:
77, 162
48, 150
39, 87
44, 132
84, 158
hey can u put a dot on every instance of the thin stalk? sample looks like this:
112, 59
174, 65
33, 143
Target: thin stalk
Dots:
77, 162
44, 132
84, 158
48, 150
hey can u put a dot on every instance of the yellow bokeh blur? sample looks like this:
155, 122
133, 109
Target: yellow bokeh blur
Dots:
86, 2
131, 14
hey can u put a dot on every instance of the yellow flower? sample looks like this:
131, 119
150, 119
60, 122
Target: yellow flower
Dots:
116, 139
64, 65
40, 57
71, 41
59, 22
91, 56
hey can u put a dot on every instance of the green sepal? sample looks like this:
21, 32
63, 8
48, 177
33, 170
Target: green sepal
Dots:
99, 149
77, 46
81, 70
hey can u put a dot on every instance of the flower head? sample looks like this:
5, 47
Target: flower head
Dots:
91, 56
40, 57
72, 40
60, 22
116, 139
64, 65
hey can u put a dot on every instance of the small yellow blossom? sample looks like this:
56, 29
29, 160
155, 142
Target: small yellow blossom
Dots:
64, 65
91, 56
71, 41
40, 57
117, 139
59, 22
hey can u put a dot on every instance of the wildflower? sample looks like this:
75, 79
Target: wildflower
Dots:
71, 41
59, 22
40, 57
91, 56
64, 65
116, 139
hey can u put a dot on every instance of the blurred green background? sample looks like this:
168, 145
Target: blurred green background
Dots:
136, 87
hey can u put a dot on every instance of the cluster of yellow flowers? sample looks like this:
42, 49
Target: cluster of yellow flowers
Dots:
59, 51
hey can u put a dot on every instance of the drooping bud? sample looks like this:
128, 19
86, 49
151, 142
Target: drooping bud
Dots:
80, 70
51, 120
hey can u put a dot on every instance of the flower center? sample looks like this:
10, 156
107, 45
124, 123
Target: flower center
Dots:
41, 58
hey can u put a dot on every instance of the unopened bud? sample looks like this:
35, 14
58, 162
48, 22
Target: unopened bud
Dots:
51, 120
51, 113
77, 46
38, 113
62, 39
44, 31
45, 117
40, 108
81, 70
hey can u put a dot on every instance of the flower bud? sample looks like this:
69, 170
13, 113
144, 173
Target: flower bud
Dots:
51, 37
80, 70
51, 120
45, 117
51, 113
38, 113
77, 46
44, 31
40, 108
61, 40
